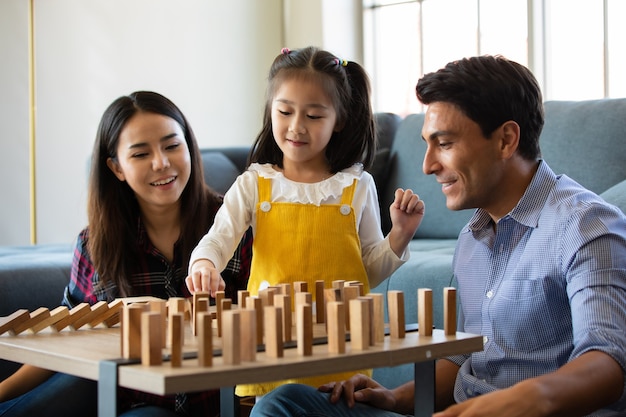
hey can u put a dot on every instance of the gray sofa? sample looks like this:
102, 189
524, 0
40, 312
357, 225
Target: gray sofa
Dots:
585, 140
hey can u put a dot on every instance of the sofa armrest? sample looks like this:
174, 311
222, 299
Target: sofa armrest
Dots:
616, 195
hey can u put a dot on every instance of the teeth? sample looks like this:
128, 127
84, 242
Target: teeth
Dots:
167, 181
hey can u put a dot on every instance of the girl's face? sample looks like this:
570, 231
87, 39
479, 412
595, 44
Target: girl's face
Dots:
303, 121
153, 158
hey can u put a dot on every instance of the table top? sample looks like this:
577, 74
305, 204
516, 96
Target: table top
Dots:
79, 352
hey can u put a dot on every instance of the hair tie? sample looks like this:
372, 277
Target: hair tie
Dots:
285, 51
341, 62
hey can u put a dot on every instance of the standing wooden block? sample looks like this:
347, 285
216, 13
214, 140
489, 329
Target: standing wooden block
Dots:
201, 306
205, 338
257, 304
378, 317
176, 332
304, 329
449, 310
425, 311
284, 302
397, 325
248, 334
339, 284
304, 297
231, 339
320, 303
12, 320
131, 330
349, 293
35, 318
219, 296
335, 322
241, 298
114, 308
176, 305
267, 296
370, 311
55, 315
198, 295
151, 339
99, 308
273, 331
225, 305
359, 285
159, 307
76, 313
360, 324
300, 286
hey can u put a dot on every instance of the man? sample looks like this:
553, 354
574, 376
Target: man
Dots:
541, 267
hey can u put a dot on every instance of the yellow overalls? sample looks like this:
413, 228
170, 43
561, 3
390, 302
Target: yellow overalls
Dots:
304, 242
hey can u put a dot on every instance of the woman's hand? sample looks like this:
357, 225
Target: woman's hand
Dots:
204, 277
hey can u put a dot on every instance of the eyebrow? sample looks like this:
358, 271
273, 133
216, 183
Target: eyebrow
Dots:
437, 134
313, 105
144, 144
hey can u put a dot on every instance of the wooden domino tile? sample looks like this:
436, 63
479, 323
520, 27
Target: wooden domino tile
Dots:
397, 321
76, 313
55, 315
449, 310
151, 339
231, 339
34, 318
425, 311
205, 338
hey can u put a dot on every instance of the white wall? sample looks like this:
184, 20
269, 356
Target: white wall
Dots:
209, 57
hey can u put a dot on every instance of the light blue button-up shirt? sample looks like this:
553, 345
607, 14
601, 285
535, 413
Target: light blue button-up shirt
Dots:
547, 285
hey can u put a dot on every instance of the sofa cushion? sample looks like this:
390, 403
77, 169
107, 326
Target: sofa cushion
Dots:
616, 195
219, 171
585, 140
405, 171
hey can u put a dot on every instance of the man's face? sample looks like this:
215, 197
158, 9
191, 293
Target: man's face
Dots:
468, 166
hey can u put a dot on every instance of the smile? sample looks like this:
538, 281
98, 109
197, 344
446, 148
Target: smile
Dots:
164, 181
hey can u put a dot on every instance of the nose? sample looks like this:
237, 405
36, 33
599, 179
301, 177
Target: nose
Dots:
296, 125
430, 164
160, 161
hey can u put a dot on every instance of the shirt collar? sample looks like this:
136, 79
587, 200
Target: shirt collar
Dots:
528, 208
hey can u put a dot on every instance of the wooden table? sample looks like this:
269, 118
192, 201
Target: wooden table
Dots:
95, 354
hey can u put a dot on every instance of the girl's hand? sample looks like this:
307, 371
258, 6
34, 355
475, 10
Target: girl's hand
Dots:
406, 212
204, 277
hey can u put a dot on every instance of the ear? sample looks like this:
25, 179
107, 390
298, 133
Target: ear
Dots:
115, 168
509, 138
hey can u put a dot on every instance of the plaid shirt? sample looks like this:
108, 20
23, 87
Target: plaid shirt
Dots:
154, 275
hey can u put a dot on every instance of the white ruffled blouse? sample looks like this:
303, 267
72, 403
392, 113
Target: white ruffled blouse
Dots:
239, 212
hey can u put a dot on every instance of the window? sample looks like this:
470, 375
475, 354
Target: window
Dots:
570, 45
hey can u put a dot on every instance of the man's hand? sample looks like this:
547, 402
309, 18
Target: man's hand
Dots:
360, 388
204, 277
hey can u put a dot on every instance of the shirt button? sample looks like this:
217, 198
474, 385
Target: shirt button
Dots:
265, 206
489, 294
345, 209
485, 340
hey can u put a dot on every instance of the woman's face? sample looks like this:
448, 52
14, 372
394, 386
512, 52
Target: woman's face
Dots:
153, 158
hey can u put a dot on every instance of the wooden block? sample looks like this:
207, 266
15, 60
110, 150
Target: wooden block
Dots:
205, 338
335, 321
231, 339
248, 335
303, 297
151, 339
300, 286
257, 304
449, 310
219, 296
55, 315
378, 317
201, 306
97, 309
360, 325
284, 302
34, 318
284, 288
177, 332
131, 330
113, 309
370, 312
225, 305
425, 311
304, 328
12, 320
359, 285
273, 331
320, 302
159, 306
241, 298
349, 293
76, 313
267, 296
339, 283
395, 305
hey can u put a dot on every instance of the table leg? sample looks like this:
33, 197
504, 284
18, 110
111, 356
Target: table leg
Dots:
424, 389
227, 402
107, 389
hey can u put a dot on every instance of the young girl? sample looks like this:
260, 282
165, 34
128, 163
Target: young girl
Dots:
312, 206
148, 206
